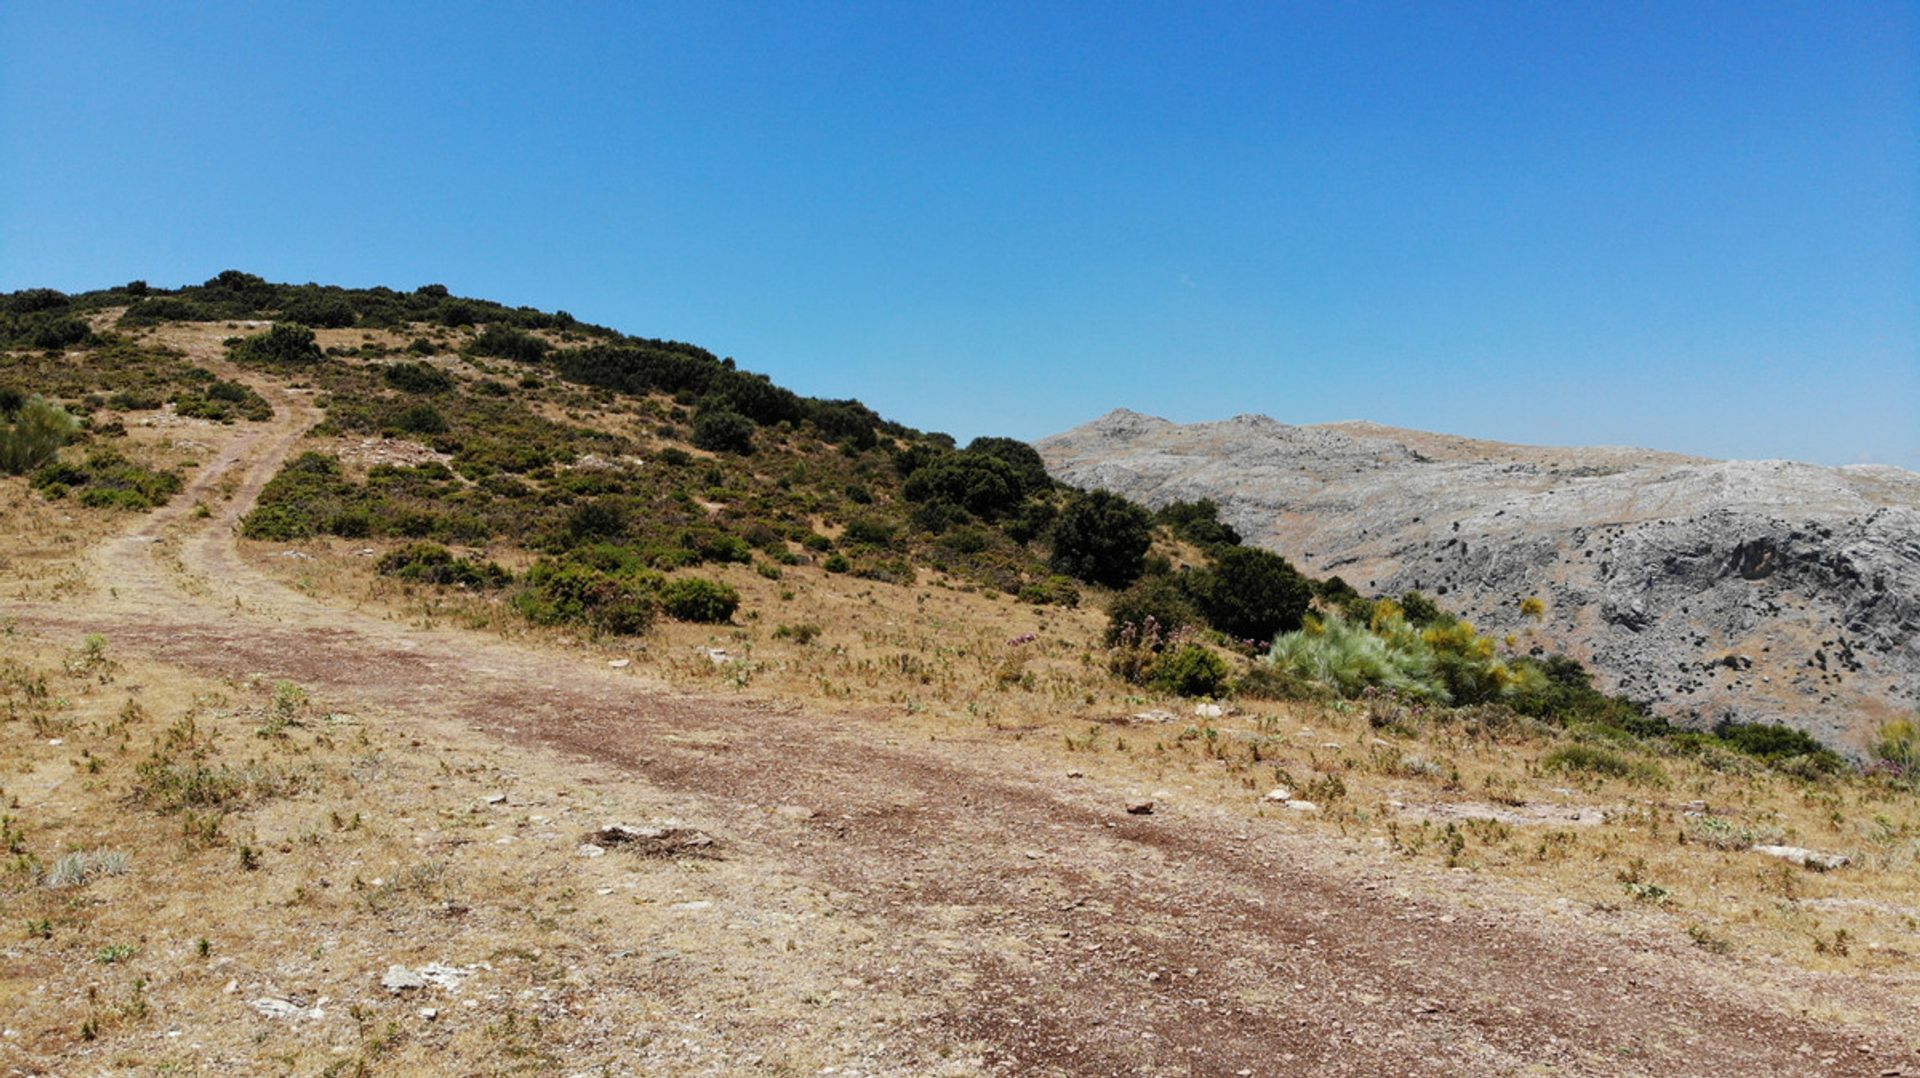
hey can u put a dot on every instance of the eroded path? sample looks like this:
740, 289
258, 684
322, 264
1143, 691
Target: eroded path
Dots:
1036, 923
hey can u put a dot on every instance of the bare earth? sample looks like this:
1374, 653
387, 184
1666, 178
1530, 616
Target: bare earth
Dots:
1028, 923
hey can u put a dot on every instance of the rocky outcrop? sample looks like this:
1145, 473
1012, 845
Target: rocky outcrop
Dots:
1766, 591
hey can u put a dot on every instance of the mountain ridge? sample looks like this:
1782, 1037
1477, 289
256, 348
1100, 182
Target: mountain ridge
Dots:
1773, 591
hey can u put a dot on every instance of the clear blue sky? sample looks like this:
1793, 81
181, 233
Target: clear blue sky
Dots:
1690, 226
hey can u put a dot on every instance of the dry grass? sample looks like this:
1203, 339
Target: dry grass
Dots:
255, 850
1667, 842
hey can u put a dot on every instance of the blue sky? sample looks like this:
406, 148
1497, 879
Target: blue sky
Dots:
1690, 226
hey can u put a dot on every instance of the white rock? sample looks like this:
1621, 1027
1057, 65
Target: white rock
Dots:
401, 979
429, 1013
444, 976
1303, 806
281, 1008
588, 849
619, 664
496, 799
1800, 855
1278, 793
1209, 711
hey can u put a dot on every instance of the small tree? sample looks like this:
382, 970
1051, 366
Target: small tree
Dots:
1103, 538
31, 431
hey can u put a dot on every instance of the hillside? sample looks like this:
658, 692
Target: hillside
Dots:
1761, 591
439, 685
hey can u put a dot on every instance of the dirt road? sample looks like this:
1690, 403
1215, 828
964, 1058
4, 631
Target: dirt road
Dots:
1039, 926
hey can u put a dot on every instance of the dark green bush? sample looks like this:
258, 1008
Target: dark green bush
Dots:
1249, 593
560, 593
506, 342
1023, 462
1421, 610
869, 530
723, 432
321, 311
984, 486
713, 545
430, 563
1154, 608
417, 419
286, 344
107, 479
416, 377
602, 518
1198, 522
1102, 538
1191, 670
1774, 744
693, 598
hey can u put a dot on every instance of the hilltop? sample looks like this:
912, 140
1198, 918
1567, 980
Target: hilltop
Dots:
1757, 591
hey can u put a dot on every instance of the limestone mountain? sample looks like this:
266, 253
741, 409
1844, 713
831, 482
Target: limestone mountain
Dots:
1758, 591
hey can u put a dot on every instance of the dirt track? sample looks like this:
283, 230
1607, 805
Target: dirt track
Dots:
1036, 920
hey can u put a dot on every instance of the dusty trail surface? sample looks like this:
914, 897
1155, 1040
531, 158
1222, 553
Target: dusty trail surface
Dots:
1040, 928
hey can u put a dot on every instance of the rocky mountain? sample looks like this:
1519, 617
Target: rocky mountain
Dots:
1762, 591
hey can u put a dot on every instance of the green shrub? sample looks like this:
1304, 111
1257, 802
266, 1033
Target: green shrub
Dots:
601, 518
982, 485
1053, 591
223, 402
417, 419
108, 480
1102, 538
286, 344
693, 598
870, 530
31, 432
1191, 670
1594, 760
1029, 472
723, 432
837, 563
416, 377
965, 540
713, 545
1775, 744
1250, 594
322, 311
1154, 607
1198, 522
559, 593
506, 342
430, 563
1350, 658
1445, 663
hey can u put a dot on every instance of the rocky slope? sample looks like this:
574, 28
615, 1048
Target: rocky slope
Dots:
1757, 590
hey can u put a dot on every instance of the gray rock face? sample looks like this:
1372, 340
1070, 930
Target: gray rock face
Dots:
1761, 591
